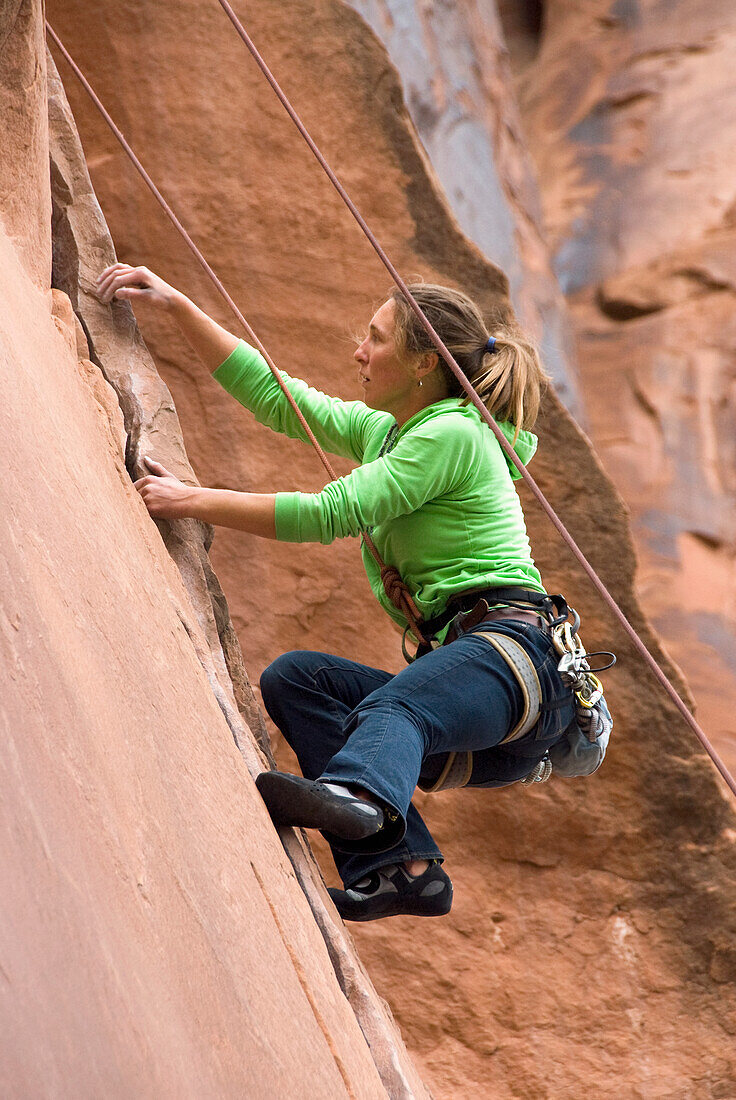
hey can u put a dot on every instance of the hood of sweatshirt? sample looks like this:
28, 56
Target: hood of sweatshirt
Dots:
525, 446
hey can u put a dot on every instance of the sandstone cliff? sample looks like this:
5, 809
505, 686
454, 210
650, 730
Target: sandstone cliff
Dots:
157, 940
590, 949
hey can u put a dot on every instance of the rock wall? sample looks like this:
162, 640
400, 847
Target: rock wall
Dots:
25, 198
157, 940
633, 145
590, 948
455, 73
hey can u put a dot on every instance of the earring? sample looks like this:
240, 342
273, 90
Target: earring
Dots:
419, 382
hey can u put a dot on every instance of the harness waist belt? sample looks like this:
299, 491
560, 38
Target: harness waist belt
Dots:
480, 614
465, 601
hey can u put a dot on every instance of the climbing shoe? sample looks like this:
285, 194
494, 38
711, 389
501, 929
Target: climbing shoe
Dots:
292, 800
391, 891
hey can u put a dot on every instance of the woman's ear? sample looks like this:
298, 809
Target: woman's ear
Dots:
427, 363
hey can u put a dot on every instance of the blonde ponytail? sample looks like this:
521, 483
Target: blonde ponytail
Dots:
509, 379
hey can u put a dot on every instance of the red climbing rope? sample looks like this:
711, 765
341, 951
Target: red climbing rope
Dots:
389, 575
395, 588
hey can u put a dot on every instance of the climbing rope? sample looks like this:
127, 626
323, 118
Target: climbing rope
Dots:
396, 590
390, 577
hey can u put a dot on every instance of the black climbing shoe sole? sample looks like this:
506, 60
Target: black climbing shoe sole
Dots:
292, 800
392, 892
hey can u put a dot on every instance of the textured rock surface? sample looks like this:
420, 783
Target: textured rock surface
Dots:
634, 150
156, 940
24, 186
590, 949
454, 70
82, 247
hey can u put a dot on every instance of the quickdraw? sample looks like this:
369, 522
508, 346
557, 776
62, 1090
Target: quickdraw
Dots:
574, 667
583, 746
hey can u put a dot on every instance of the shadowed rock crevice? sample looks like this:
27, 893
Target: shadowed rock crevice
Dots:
523, 28
65, 256
637, 293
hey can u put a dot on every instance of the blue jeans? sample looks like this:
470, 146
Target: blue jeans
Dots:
351, 724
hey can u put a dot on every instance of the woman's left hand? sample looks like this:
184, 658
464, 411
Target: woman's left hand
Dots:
164, 495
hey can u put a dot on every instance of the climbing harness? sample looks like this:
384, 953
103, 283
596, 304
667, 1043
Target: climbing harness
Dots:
467, 609
518, 660
395, 587
582, 747
458, 766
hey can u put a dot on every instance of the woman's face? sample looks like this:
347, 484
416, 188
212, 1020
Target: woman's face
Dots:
388, 381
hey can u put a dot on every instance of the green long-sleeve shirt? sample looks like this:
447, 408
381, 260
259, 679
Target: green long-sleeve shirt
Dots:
440, 503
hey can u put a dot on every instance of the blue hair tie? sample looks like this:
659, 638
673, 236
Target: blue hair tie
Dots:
491, 345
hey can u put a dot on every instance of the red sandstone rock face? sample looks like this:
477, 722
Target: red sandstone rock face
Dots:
156, 940
633, 147
25, 197
590, 949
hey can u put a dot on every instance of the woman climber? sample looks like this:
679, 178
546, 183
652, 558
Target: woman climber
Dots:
435, 491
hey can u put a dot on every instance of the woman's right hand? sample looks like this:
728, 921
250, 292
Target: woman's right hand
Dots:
212, 343
136, 284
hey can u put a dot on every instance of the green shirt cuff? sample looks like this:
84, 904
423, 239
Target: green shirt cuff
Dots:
286, 515
229, 371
